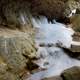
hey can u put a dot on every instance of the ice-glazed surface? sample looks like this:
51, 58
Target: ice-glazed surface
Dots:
56, 60
53, 33
53, 58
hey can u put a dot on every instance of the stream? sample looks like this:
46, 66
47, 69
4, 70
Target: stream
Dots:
51, 57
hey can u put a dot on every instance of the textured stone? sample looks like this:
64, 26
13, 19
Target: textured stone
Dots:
53, 78
16, 48
48, 8
15, 13
71, 74
75, 21
71, 5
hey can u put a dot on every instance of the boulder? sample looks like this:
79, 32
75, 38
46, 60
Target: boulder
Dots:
71, 74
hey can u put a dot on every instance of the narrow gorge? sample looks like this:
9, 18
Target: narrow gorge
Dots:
39, 40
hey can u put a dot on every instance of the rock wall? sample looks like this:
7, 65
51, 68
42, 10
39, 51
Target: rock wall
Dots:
16, 49
48, 8
12, 10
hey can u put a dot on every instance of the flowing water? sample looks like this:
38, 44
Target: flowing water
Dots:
52, 58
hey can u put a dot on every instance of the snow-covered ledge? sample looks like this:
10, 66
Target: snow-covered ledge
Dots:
75, 43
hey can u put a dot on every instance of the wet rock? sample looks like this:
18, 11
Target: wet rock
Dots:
75, 24
73, 52
53, 78
74, 48
71, 74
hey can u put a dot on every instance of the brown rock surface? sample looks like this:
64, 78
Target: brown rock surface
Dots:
49, 8
14, 44
53, 78
12, 10
71, 74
